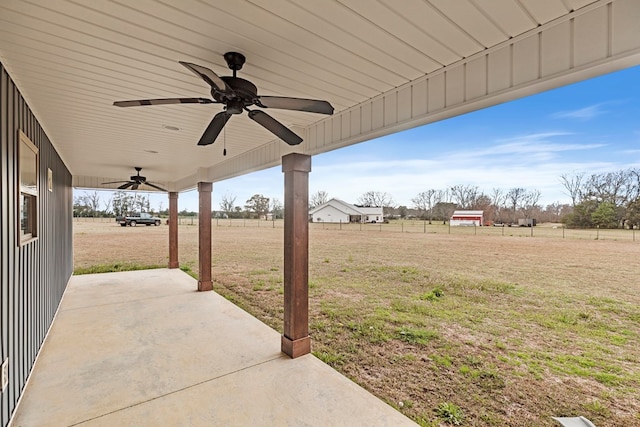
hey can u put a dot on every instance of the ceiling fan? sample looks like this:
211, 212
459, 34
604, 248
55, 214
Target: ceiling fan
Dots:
238, 94
135, 182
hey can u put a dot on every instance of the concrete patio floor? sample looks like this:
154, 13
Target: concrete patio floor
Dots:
145, 348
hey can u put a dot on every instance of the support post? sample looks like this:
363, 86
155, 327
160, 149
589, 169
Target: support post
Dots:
204, 236
173, 230
296, 341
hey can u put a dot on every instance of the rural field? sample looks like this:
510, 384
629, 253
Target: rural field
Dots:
485, 327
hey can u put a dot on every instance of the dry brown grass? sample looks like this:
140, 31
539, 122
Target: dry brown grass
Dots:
524, 328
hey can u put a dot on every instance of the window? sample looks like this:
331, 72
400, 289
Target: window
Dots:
28, 192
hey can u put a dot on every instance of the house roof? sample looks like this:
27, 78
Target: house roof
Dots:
384, 65
469, 213
340, 205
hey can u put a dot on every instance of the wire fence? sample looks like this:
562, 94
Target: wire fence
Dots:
552, 231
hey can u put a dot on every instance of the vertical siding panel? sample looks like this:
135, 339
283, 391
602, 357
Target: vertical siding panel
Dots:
590, 36
556, 49
436, 93
377, 113
366, 112
454, 84
390, 106
476, 78
419, 98
5, 235
356, 115
625, 18
34, 276
525, 60
499, 70
404, 104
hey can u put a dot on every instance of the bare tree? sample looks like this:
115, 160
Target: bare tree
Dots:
424, 202
276, 209
554, 211
318, 198
573, 185
92, 200
443, 205
497, 200
227, 204
514, 197
465, 196
107, 206
530, 202
612, 187
378, 199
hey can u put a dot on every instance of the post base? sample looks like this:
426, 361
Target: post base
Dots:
205, 286
174, 264
296, 348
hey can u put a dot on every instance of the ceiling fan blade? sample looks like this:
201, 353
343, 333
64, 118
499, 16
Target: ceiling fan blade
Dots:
113, 182
155, 186
213, 130
275, 127
125, 186
298, 104
163, 101
135, 186
208, 76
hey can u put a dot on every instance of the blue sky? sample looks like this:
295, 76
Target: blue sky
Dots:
592, 127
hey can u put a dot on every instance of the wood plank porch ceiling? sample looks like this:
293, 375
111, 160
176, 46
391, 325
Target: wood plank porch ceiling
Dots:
384, 65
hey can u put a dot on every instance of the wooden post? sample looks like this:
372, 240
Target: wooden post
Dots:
296, 341
204, 236
173, 230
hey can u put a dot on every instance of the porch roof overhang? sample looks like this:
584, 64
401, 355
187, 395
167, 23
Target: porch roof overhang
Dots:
385, 66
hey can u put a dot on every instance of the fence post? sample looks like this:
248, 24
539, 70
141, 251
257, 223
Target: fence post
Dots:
402, 226
503, 228
340, 223
475, 228
425, 226
598, 232
531, 230
360, 225
449, 227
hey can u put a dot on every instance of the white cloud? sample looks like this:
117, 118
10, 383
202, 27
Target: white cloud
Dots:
586, 113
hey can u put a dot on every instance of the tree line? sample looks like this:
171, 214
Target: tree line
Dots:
606, 200
91, 204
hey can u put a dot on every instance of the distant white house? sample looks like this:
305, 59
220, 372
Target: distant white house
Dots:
336, 210
472, 218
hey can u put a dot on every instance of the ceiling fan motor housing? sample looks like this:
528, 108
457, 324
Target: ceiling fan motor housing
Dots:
245, 94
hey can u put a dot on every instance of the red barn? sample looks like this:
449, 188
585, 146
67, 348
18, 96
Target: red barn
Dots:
472, 218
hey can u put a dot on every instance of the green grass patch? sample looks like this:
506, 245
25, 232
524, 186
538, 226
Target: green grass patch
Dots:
416, 336
450, 413
330, 358
187, 269
432, 295
115, 267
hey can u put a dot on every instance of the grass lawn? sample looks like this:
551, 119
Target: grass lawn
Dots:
477, 329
